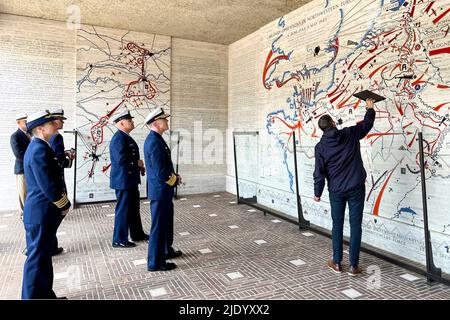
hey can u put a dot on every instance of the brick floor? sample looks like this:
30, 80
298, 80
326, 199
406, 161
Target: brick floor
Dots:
219, 262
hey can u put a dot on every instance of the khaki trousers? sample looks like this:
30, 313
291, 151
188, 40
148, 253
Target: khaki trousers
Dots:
22, 191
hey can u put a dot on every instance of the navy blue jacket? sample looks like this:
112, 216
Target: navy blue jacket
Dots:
57, 144
19, 142
161, 178
124, 155
46, 196
338, 157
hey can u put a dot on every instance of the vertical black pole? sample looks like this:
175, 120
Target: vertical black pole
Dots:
178, 159
431, 268
75, 132
302, 222
235, 169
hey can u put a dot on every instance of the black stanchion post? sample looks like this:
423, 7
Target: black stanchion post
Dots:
176, 166
235, 168
239, 199
432, 270
302, 222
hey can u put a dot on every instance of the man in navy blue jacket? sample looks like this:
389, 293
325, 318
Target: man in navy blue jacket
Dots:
338, 160
19, 141
161, 181
46, 202
63, 157
126, 168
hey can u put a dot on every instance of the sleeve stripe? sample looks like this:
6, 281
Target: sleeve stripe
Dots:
64, 197
62, 202
65, 203
57, 203
172, 180
61, 205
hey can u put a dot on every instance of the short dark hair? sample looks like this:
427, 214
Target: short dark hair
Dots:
325, 122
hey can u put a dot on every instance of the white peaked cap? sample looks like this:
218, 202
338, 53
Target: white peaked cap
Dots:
156, 114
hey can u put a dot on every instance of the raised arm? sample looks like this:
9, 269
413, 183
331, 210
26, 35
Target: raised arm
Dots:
364, 127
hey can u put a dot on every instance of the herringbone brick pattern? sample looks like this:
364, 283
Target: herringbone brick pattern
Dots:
229, 253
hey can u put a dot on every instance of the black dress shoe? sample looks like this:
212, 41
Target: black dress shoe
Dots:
167, 267
61, 298
143, 237
174, 254
58, 251
124, 245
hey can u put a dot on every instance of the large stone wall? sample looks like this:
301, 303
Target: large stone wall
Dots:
283, 77
43, 65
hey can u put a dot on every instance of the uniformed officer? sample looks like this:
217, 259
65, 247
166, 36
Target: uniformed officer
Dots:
126, 168
19, 141
64, 159
46, 202
161, 180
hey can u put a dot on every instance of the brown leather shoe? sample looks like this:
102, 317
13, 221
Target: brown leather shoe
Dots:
336, 267
353, 271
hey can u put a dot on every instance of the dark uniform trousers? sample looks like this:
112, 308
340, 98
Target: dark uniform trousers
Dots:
161, 231
124, 179
45, 202
169, 237
161, 181
38, 267
127, 215
57, 144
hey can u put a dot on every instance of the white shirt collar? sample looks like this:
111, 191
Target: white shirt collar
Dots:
26, 133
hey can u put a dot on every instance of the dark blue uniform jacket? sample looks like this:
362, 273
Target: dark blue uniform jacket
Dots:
57, 144
338, 157
124, 155
161, 178
19, 143
46, 195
